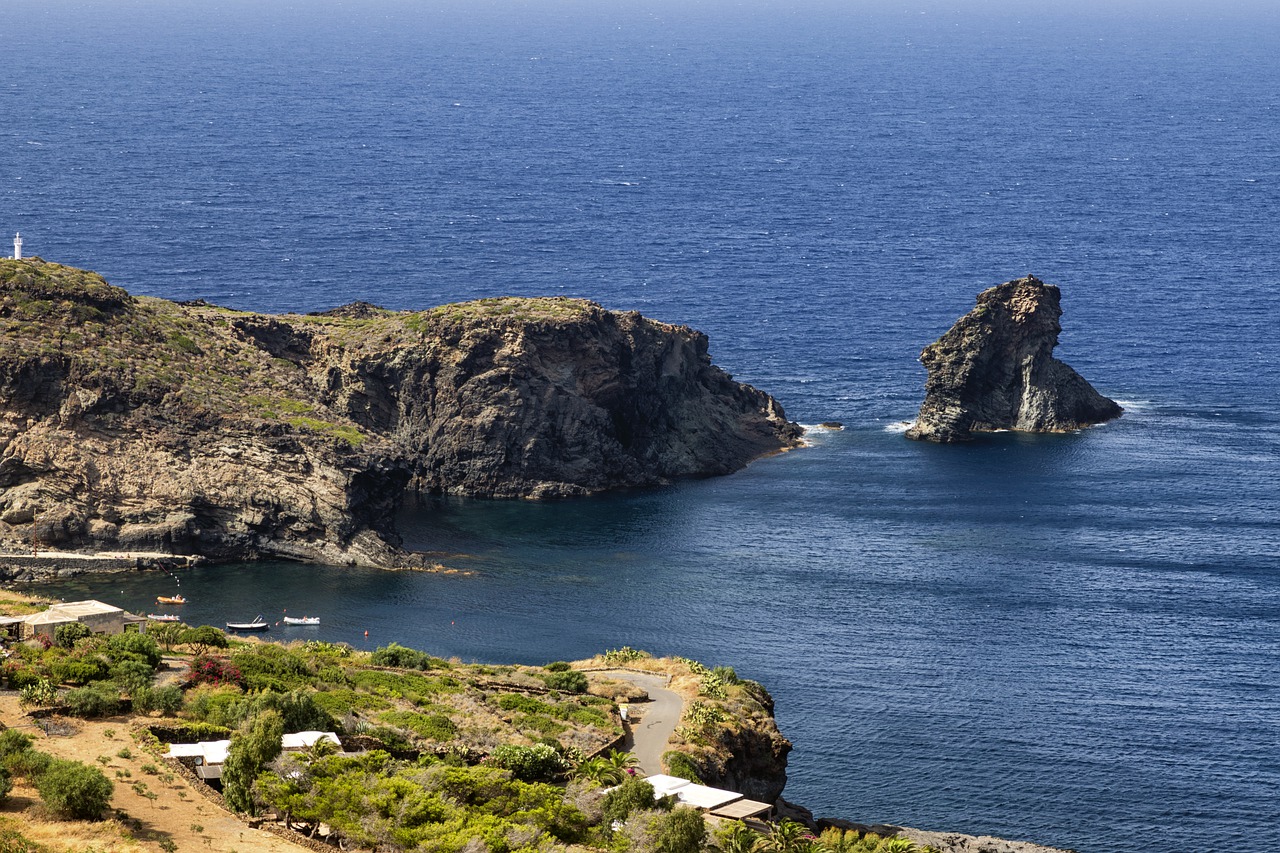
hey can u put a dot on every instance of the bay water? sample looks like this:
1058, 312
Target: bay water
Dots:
1073, 639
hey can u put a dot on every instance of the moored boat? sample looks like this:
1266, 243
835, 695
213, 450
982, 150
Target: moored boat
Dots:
258, 624
302, 620
162, 617
170, 599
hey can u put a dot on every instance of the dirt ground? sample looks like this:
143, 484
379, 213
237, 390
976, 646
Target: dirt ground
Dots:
148, 809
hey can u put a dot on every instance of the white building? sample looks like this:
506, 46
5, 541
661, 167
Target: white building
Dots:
17, 246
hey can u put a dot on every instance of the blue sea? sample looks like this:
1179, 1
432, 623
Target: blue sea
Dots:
1072, 639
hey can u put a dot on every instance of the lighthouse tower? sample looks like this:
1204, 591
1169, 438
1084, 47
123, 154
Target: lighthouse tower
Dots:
17, 246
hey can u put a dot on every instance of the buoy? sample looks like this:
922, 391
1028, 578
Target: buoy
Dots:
366, 634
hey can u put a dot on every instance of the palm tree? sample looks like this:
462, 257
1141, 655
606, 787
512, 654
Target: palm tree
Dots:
600, 771
624, 761
737, 838
787, 837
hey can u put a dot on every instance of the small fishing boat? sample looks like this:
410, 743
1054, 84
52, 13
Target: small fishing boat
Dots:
162, 617
302, 620
170, 599
258, 624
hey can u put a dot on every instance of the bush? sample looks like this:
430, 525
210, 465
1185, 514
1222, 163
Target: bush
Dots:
166, 700
133, 646
208, 670
631, 796
29, 763
66, 635
396, 655
6, 785
97, 700
557, 666
537, 763
566, 682
12, 740
682, 765
74, 790
78, 671
624, 655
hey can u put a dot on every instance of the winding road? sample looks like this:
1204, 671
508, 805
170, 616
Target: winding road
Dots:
653, 722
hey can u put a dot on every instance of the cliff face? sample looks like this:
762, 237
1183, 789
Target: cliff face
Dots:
130, 423
994, 369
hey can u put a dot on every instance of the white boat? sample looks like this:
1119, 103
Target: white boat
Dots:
258, 624
302, 620
162, 617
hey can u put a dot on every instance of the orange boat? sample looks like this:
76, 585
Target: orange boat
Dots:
170, 599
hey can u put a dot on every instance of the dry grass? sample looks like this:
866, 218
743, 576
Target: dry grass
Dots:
177, 813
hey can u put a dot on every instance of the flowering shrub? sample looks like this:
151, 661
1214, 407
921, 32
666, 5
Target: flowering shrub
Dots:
216, 671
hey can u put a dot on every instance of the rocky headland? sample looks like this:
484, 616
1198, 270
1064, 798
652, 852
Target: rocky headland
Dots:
995, 370
130, 423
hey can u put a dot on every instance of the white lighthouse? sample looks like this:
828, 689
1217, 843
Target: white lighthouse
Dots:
17, 246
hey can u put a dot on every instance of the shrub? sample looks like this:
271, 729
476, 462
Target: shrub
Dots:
566, 682
29, 763
396, 655
682, 765
626, 654
632, 795
131, 646
12, 740
255, 744
79, 671
66, 635
202, 639
6, 785
537, 763
557, 666
216, 671
97, 700
166, 700
41, 693
74, 790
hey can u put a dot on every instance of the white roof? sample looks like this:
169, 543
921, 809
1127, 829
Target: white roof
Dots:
215, 751
690, 793
71, 611
212, 751
302, 740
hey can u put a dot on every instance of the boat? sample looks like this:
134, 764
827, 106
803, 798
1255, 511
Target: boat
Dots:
162, 617
170, 599
258, 624
302, 620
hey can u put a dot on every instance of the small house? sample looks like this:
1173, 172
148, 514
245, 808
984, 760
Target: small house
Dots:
97, 617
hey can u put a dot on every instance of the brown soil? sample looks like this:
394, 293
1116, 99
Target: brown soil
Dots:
178, 812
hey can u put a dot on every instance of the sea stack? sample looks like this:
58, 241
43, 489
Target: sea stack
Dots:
995, 370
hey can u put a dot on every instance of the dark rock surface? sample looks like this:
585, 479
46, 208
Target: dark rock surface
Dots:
995, 370
137, 424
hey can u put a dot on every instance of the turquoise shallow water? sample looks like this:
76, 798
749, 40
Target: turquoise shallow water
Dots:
1071, 638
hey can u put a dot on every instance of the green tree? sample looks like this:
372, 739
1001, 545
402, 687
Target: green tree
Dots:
66, 635
74, 790
255, 744
681, 830
631, 796
200, 640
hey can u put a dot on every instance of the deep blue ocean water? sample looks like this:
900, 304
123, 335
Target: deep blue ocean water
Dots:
1072, 639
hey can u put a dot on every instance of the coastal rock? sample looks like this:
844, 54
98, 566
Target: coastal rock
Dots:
139, 424
995, 370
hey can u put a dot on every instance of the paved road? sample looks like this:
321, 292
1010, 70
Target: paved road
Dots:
647, 736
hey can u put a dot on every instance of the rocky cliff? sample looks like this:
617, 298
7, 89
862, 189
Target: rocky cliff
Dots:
132, 423
995, 370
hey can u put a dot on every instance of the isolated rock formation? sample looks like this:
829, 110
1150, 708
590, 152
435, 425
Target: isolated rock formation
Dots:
132, 423
995, 370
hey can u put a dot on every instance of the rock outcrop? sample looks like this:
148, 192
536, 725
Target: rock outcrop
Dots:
995, 370
137, 424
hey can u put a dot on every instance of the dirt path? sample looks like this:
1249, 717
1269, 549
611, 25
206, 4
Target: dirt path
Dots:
177, 812
654, 721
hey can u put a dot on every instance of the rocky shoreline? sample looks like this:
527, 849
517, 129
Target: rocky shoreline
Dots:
137, 424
